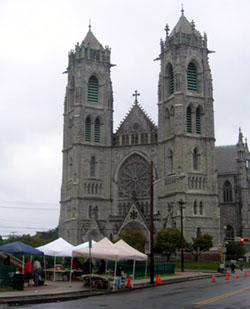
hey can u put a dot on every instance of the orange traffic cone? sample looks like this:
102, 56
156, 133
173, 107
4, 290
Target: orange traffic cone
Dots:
213, 279
157, 279
160, 281
237, 276
245, 274
129, 282
227, 277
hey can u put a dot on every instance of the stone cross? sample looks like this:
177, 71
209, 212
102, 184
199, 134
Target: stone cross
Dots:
167, 29
136, 94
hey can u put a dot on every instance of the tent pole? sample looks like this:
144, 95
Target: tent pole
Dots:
146, 268
23, 265
54, 268
115, 275
134, 270
70, 275
44, 265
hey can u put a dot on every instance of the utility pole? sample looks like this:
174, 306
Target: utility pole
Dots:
151, 225
181, 203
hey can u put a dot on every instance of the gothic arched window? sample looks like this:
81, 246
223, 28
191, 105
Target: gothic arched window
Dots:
87, 130
198, 232
227, 192
92, 166
93, 90
201, 208
97, 130
229, 233
195, 208
195, 159
192, 77
189, 120
170, 160
198, 120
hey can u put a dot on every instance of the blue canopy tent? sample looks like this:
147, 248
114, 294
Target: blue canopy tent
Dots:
18, 247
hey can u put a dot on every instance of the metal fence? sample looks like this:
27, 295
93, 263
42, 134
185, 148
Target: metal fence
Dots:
6, 275
127, 267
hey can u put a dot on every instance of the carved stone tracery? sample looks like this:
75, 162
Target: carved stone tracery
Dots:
134, 177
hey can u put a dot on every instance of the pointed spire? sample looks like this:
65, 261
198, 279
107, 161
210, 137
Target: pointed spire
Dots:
240, 140
182, 10
90, 25
246, 145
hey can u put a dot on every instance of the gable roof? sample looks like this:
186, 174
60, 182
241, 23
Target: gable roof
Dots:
136, 121
226, 159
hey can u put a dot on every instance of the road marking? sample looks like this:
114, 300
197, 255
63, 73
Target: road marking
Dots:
217, 298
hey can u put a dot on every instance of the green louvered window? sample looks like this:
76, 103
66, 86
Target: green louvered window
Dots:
189, 120
171, 80
87, 130
93, 89
198, 121
97, 131
192, 77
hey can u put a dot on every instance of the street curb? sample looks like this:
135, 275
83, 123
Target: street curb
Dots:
46, 298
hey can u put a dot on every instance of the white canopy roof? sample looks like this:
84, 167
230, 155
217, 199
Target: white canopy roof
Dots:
105, 249
138, 256
58, 247
84, 245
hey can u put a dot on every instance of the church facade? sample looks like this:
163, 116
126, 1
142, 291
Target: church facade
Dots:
110, 178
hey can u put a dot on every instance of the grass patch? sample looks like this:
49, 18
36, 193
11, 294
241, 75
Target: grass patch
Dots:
7, 289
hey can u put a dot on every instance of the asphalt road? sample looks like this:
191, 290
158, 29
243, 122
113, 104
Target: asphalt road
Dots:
222, 294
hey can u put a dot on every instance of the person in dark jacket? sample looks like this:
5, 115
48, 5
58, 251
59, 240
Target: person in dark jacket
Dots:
101, 268
118, 281
87, 267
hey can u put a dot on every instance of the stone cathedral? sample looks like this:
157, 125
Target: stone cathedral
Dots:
107, 175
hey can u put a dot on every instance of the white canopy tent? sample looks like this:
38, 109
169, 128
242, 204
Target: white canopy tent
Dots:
137, 255
58, 247
62, 248
106, 250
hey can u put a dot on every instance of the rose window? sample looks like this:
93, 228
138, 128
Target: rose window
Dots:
134, 178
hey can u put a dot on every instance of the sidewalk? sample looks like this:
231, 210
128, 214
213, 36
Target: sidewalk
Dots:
63, 290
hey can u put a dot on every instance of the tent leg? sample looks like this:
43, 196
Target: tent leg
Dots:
23, 265
134, 270
115, 276
54, 268
44, 265
70, 275
146, 268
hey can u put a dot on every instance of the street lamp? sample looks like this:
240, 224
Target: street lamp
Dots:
181, 203
152, 183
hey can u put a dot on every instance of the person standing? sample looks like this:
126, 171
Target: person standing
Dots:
118, 280
28, 270
37, 270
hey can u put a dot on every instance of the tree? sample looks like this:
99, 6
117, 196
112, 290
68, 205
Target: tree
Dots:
135, 238
203, 242
235, 250
167, 241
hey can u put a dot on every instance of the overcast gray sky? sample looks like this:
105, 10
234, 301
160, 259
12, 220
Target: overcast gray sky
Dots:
36, 36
